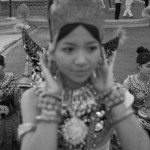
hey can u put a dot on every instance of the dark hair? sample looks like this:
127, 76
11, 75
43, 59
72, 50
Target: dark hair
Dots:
2, 62
66, 29
143, 55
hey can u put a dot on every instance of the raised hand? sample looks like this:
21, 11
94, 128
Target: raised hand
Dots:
103, 78
53, 84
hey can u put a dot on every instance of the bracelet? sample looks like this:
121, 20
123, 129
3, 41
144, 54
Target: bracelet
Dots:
127, 114
48, 113
50, 104
114, 97
50, 119
25, 128
107, 93
58, 97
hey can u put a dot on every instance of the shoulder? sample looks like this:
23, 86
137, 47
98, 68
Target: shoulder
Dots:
127, 81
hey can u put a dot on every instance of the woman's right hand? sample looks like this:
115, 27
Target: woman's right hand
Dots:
53, 85
30, 100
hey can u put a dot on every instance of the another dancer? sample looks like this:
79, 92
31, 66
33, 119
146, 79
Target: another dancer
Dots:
10, 113
139, 85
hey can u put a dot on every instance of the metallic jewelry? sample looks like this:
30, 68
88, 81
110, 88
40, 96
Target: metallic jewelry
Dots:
48, 119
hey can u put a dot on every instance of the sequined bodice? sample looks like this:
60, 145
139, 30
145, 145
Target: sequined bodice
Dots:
83, 121
139, 90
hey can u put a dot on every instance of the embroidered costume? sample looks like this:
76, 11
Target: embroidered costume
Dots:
142, 102
84, 120
9, 112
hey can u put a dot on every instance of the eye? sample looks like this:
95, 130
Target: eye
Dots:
68, 49
92, 48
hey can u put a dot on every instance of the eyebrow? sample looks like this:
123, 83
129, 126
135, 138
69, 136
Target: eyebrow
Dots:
88, 43
69, 43
92, 42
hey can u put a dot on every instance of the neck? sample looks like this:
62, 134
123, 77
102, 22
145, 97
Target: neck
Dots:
143, 77
71, 84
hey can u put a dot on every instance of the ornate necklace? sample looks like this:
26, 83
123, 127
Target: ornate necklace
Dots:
83, 125
82, 118
4, 84
140, 90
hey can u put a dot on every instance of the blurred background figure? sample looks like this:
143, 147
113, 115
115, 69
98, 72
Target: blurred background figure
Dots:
146, 3
128, 5
102, 2
117, 9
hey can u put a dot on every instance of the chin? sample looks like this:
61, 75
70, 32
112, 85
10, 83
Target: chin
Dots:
80, 79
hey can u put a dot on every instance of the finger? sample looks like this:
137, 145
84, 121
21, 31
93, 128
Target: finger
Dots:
49, 54
103, 55
59, 79
98, 72
112, 60
43, 62
48, 77
50, 47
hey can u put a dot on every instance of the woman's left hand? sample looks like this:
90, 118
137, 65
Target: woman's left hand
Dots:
103, 78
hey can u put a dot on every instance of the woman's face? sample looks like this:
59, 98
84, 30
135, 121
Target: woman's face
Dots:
77, 55
145, 69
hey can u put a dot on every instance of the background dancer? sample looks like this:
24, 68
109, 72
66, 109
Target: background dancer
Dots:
9, 109
139, 85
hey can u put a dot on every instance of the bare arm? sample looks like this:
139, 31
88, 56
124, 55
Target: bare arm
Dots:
45, 136
131, 134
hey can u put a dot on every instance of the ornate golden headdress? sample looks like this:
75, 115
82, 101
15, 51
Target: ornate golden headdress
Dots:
70, 11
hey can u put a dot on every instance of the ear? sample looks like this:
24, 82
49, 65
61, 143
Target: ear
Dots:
139, 66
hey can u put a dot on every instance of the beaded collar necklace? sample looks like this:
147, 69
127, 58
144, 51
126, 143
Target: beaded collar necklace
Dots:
144, 84
83, 118
7, 79
140, 90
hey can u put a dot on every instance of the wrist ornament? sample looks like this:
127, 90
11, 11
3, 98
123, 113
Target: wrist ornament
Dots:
25, 128
48, 117
113, 97
50, 105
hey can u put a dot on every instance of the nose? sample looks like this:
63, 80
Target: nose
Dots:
81, 59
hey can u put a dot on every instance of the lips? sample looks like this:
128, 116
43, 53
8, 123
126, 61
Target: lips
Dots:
81, 72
